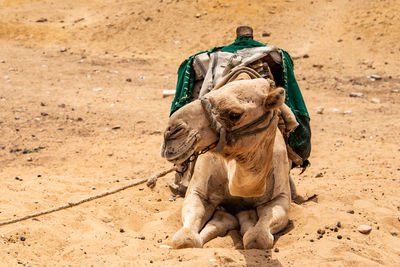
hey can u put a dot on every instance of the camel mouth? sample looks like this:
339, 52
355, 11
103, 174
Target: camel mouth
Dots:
177, 151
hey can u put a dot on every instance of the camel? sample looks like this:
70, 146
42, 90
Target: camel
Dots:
243, 180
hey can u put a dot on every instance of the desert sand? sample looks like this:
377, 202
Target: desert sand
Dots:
82, 112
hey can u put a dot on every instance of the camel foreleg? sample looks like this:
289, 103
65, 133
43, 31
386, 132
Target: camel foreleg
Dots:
196, 211
273, 217
219, 225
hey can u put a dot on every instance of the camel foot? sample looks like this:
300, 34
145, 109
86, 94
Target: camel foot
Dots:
186, 238
178, 190
257, 237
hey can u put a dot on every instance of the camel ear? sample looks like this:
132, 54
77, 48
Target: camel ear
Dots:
242, 76
275, 98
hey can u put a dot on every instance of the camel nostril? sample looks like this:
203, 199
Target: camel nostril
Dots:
175, 131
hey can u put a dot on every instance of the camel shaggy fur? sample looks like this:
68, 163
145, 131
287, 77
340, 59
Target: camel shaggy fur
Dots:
246, 184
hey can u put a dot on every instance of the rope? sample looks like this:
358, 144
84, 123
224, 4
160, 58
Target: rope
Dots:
151, 182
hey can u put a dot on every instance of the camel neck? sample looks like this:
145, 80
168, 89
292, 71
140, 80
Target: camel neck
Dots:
248, 170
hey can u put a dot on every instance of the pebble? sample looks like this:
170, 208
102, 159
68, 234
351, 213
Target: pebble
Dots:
97, 89
350, 211
198, 15
336, 110
276, 250
321, 231
319, 175
356, 94
339, 224
364, 229
374, 77
29, 159
121, 230
141, 237
320, 110
375, 100
347, 112
395, 91
22, 238
339, 237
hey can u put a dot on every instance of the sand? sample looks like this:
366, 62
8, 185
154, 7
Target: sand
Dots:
82, 112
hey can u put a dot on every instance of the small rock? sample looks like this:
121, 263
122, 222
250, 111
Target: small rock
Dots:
319, 175
266, 34
276, 250
64, 49
374, 77
339, 224
339, 237
22, 238
350, 211
141, 237
198, 15
393, 233
395, 91
375, 100
347, 112
97, 89
320, 110
364, 229
212, 260
335, 229
321, 231
129, 80
356, 94
121, 230
319, 66
306, 56
311, 240
41, 20
29, 159
336, 110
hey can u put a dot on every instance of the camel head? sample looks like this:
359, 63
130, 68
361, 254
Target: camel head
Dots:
236, 104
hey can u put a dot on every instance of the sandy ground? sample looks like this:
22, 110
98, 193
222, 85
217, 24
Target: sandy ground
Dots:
82, 112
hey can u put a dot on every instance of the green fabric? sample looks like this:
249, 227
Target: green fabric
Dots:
300, 139
186, 73
185, 83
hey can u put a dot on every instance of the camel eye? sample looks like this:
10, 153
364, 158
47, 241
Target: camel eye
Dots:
233, 116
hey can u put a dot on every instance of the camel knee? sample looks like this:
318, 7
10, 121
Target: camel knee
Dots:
258, 238
186, 238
